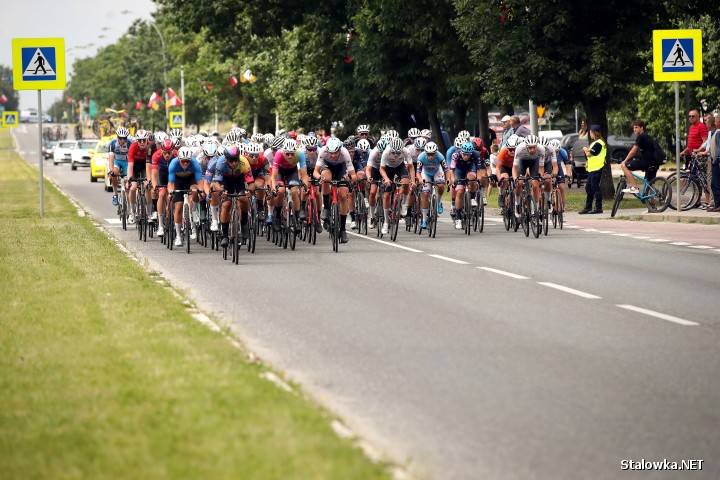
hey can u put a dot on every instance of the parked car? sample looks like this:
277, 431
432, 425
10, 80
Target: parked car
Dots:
82, 153
619, 147
574, 146
48, 149
98, 162
63, 151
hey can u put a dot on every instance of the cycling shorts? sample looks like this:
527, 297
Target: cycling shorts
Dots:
400, 171
138, 170
507, 170
182, 183
337, 170
122, 166
260, 172
288, 176
375, 174
532, 165
438, 176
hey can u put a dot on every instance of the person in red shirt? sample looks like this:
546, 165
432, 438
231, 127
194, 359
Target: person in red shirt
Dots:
697, 134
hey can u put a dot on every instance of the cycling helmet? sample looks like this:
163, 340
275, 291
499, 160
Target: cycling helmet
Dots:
396, 145
426, 133
531, 140
555, 144
141, 135
478, 143
151, 137
256, 137
122, 132
185, 153
232, 152
209, 148
420, 143
334, 145
392, 134
268, 138
382, 144
203, 133
310, 142
253, 149
220, 151
176, 132
458, 142
414, 133
349, 143
292, 134
543, 141
290, 145
278, 142
363, 145
467, 147
167, 145
512, 141
160, 137
242, 132
431, 147
176, 141
464, 134
231, 137
363, 129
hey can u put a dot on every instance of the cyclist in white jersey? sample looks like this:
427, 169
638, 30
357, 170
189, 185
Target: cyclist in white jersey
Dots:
529, 157
395, 161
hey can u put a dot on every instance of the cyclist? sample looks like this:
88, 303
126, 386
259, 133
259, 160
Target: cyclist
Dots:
564, 170
184, 173
275, 145
117, 158
640, 157
413, 133
288, 169
334, 163
232, 173
159, 175
372, 171
138, 154
310, 149
504, 167
260, 169
349, 145
528, 158
550, 166
431, 167
484, 170
395, 162
363, 133
464, 166
207, 158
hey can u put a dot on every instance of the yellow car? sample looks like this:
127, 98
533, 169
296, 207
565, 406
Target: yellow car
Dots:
99, 161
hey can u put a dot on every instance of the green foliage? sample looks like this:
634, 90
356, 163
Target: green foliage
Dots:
6, 89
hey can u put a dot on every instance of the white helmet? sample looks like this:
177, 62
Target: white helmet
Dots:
464, 134
290, 145
396, 145
426, 133
268, 138
160, 137
458, 141
311, 142
209, 148
414, 133
431, 147
363, 145
122, 132
185, 153
512, 141
420, 143
392, 134
253, 149
363, 129
555, 144
531, 140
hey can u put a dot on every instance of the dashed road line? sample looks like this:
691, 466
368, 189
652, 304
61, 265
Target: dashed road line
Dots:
502, 272
680, 244
701, 247
448, 259
569, 290
403, 247
662, 316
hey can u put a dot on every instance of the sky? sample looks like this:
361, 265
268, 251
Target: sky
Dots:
86, 26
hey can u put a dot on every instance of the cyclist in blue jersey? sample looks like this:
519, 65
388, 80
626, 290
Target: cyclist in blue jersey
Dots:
431, 167
118, 158
184, 173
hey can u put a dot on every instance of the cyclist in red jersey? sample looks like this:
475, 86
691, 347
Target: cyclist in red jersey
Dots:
138, 168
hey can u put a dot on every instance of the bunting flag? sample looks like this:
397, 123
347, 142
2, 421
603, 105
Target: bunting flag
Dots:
153, 99
174, 101
138, 105
171, 92
155, 106
3, 99
233, 81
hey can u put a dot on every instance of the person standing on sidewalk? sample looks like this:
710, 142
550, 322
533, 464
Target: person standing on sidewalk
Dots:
714, 151
710, 123
596, 154
697, 134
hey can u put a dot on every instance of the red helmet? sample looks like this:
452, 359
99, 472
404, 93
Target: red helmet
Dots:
478, 143
293, 134
167, 145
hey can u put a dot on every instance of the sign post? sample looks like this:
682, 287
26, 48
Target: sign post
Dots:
677, 57
177, 119
39, 64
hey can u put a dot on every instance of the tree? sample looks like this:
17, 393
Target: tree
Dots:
13, 101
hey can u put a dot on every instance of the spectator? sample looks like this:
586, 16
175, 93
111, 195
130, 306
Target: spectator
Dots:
705, 150
583, 133
715, 165
508, 130
519, 130
697, 134
640, 157
596, 154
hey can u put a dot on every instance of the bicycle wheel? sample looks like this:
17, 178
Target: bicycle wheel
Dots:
170, 227
534, 217
662, 197
123, 210
335, 226
433, 216
481, 216
544, 214
291, 226
186, 225
618, 196
466, 211
554, 203
508, 210
235, 233
525, 215
395, 218
690, 191
252, 227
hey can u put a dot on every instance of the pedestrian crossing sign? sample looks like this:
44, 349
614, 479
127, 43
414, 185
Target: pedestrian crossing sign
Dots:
176, 119
10, 119
677, 55
38, 63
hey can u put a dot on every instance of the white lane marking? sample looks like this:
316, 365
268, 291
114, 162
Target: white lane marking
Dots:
589, 230
657, 240
717, 250
700, 247
606, 231
569, 290
681, 244
662, 316
447, 259
502, 272
113, 221
640, 237
414, 250
621, 234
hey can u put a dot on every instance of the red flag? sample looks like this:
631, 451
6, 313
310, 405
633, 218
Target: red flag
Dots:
138, 105
171, 92
3, 99
174, 101
233, 80
153, 99
209, 87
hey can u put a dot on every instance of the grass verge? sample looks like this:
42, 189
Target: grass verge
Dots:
97, 382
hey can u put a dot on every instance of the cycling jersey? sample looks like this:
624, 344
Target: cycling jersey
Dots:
472, 164
159, 162
260, 167
310, 158
359, 160
176, 172
390, 160
374, 158
431, 165
324, 159
120, 151
549, 157
224, 171
413, 152
137, 154
522, 153
505, 158
288, 162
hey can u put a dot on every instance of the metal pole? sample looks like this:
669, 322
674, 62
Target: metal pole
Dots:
40, 157
577, 127
533, 118
256, 129
677, 146
162, 42
182, 95
216, 117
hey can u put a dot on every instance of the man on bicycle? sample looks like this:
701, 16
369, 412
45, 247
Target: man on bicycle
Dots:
395, 161
117, 158
159, 174
184, 173
527, 161
640, 157
138, 167
464, 166
431, 168
334, 163
232, 172
288, 169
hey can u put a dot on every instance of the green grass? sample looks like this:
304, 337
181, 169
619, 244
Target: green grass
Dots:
98, 382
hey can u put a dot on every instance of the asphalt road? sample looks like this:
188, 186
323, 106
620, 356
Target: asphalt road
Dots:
491, 356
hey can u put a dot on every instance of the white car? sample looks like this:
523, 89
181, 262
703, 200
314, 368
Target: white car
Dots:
63, 151
82, 153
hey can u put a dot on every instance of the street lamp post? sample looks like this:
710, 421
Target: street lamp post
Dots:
165, 94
